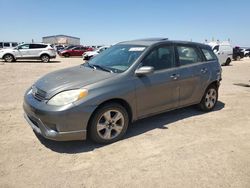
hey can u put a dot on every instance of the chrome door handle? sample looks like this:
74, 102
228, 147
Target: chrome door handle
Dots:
175, 76
204, 70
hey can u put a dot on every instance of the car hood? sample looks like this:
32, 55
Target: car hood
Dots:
70, 78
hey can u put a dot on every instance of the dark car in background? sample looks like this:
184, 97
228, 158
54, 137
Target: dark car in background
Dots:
127, 82
75, 51
238, 53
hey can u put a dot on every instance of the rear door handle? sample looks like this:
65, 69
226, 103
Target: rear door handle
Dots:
175, 76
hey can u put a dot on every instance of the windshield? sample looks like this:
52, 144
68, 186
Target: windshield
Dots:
118, 58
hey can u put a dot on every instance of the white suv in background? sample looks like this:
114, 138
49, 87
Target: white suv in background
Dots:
44, 52
223, 50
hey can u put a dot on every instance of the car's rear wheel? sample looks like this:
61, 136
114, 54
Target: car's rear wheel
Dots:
238, 58
9, 58
228, 62
66, 55
210, 98
45, 58
108, 124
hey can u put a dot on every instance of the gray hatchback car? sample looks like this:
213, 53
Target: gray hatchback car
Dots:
129, 81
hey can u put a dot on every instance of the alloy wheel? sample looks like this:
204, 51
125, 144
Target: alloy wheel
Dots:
211, 97
8, 58
110, 124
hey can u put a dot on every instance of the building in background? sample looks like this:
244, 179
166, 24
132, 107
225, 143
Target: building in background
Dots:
61, 39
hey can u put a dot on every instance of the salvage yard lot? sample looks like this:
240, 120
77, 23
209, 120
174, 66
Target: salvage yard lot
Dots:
182, 148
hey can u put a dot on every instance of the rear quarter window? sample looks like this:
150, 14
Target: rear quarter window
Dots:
6, 44
209, 54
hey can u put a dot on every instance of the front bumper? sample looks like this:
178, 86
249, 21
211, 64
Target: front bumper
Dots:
57, 123
38, 126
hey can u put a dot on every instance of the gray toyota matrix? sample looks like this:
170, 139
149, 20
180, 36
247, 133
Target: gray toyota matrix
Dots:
129, 81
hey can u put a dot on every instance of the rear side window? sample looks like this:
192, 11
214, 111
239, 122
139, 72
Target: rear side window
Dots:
1, 44
209, 55
6, 44
188, 55
35, 46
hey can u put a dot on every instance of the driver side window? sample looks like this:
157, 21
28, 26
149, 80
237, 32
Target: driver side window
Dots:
160, 58
24, 46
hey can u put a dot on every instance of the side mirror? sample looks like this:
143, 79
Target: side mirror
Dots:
215, 51
145, 70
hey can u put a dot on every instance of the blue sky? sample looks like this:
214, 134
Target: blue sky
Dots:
111, 21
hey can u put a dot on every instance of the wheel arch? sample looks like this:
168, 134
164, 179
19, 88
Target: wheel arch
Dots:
44, 53
119, 101
9, 54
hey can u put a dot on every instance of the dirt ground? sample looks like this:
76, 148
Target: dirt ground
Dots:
183, 148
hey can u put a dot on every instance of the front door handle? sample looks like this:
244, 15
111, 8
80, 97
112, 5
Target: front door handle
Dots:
175, 76
204, 70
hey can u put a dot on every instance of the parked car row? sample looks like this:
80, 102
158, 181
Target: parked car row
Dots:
74, 51
45, 52
226, 53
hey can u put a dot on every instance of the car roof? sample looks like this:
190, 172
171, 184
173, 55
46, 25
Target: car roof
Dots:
35, 43
153, 41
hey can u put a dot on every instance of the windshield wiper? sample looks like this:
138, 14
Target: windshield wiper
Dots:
103, 68
91, 66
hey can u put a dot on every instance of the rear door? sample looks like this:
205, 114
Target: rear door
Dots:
36, 49
193, 74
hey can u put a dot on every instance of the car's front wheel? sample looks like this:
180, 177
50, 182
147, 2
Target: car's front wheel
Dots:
209, 99
109, 123
9, 58
45, 58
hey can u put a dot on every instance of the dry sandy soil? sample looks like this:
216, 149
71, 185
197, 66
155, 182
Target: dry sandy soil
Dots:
183, 148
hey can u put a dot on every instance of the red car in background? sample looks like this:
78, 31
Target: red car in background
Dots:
75, 51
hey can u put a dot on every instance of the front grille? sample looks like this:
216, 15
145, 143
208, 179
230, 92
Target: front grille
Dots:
38, 93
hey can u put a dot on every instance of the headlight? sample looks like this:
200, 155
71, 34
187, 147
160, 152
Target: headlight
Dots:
67, 97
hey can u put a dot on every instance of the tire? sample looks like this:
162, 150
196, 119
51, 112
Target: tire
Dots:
8, 58
66, 55
238, 58
209, 99
108, 124
45, 58
228, 62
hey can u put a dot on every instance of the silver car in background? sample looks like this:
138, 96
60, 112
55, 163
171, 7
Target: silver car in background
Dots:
129, 81
41, 51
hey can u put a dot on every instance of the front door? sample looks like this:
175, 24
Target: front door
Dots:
23, 51
158, 91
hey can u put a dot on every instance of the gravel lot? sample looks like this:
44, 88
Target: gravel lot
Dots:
183, 148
